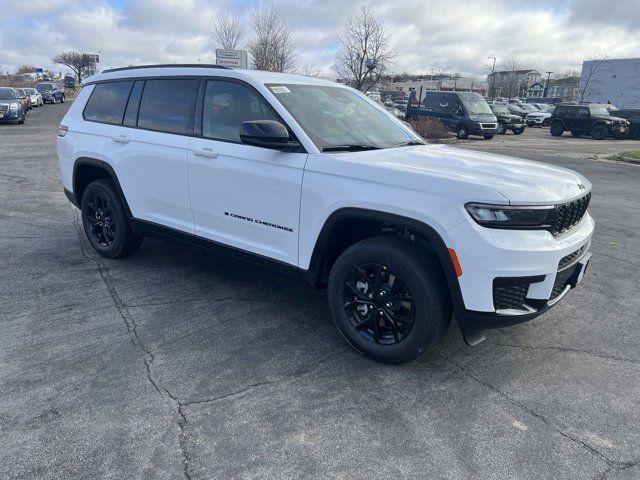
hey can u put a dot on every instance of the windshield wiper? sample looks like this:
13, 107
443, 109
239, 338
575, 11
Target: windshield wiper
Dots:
349, 148
409, 143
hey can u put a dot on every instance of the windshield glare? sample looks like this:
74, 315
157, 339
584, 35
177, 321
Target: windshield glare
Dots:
43, 87
337, 116
599, 111
500, 108
6, 94
475, 104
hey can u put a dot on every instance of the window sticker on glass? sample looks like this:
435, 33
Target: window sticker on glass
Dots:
279, 89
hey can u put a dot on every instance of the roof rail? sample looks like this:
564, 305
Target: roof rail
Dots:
168, 65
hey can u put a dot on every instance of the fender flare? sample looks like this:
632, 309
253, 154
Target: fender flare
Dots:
106, 167
433, 237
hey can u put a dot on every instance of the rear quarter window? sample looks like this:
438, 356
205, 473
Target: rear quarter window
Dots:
107, 102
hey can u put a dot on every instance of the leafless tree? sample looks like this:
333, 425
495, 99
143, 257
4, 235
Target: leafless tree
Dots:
78, 62
25, 69
587, 82
271, 46
309, 71
365, 54
512, 84
227, 31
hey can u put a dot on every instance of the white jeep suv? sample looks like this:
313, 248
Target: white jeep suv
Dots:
314, 178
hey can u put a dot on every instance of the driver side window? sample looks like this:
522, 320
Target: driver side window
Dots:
227, 105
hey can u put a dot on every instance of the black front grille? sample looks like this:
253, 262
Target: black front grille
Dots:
4, 108
567, 215
509, 296
566, 260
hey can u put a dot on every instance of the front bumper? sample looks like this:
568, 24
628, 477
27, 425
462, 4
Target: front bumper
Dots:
10, 115
483, 128
540, 264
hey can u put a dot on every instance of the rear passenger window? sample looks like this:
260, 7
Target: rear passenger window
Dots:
107, 102
227, 105
167, 105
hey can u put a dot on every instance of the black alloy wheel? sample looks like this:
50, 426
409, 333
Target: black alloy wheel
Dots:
378, 304
502, 128
101, 220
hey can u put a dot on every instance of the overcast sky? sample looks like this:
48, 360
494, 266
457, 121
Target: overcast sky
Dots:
544, 35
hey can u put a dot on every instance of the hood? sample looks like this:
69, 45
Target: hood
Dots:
467, 173
9, 102
617, 119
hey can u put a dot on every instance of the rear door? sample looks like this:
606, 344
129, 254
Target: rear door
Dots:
244, 196
581, 120
149, 150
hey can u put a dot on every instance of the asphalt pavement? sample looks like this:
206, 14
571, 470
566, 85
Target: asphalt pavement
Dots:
176, 363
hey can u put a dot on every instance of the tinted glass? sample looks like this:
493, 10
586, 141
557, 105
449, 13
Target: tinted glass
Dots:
227, 105
107, 102
167, 105
335, 117
6, 94
131, 113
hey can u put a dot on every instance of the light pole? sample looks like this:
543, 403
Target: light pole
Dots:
546, 85
492, 92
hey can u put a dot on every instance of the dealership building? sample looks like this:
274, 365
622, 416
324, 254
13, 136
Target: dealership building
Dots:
615, 81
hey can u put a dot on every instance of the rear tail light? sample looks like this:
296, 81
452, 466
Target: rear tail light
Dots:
62, 130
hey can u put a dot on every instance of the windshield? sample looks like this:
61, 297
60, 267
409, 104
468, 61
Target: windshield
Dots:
599, 111
6, 94
30, 91
43, 87
337, 116
475, 104
500, 109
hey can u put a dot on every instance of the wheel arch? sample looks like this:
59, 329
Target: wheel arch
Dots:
88, 169
348, 225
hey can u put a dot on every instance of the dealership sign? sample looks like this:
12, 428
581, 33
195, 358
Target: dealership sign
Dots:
231, 58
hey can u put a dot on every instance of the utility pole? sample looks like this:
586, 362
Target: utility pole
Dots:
546, 85
492, 88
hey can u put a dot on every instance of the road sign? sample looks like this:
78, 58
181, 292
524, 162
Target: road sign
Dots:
38, 70
231, 58
94, 58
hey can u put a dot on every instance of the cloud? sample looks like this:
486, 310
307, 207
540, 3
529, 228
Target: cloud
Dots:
543, 34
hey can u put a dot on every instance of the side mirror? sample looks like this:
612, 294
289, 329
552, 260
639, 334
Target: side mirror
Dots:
267, 134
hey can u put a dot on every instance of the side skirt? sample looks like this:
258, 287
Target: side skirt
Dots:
151, 229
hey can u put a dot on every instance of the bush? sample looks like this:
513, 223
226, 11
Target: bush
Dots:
429, 129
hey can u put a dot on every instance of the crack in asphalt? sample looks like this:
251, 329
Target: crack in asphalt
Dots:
148, 357
571, 350
611, 464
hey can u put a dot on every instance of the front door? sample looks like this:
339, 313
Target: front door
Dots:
244, 196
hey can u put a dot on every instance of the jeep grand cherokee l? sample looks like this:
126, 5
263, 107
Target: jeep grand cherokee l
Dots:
317, 180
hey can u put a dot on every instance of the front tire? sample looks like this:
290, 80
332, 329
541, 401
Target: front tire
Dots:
502, 129
556, 129
488, 137
62, 99
599, 132
105, 221
389, 299
518, 131
462, 132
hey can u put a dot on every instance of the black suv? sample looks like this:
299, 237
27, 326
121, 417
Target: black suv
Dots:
632, 115
506, 120
593, 120
51, 92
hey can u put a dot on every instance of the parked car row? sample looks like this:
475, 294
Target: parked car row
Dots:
16, 102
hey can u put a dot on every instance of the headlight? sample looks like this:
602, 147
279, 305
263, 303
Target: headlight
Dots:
507, 216
13, 107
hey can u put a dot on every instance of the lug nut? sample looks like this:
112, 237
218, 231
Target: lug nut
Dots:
388, 305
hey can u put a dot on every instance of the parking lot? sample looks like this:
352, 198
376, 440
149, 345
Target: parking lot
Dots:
179, 364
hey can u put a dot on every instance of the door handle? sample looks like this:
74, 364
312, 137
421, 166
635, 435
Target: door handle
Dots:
205, 152
121, 139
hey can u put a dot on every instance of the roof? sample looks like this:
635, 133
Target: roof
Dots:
515, 71
250, 76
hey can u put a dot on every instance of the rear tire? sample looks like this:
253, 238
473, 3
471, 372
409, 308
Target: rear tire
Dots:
378, 282
599, 132
575, 134
105, 221
556, 129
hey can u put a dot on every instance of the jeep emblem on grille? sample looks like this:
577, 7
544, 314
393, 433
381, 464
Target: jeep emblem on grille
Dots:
581, 186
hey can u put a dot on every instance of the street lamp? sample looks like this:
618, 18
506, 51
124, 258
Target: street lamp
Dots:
546, 85
492, 92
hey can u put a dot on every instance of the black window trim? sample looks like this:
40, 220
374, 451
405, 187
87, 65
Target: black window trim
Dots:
199, 118
125, 105
197, 112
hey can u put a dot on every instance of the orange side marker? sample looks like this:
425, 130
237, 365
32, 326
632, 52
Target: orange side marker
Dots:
454, 260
